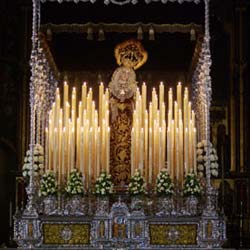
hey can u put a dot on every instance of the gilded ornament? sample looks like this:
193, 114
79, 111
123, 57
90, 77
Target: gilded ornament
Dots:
71, 234
131, 54
173, 234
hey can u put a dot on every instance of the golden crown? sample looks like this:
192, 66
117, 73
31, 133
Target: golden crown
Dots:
130, 53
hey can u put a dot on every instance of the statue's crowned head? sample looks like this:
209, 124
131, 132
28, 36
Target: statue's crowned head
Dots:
130, 54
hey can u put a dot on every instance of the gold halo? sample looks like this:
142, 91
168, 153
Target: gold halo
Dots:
131, 53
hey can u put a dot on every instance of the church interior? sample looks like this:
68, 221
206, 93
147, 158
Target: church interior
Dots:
84, 46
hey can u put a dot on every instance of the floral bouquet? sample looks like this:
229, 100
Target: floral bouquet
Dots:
137, 184
38, 161
75, 184
191, 185
104, 185
202, 159
164, 184
48, 184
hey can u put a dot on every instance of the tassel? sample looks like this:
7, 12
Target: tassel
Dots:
49, 34
151, 34
89, 33
139, 33
192, 35
101, 35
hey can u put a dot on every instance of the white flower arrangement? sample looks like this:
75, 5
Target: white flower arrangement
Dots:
164, 184
202, 159
75, 183
48, 184
137, 184
38, 162
191, 185
104, 185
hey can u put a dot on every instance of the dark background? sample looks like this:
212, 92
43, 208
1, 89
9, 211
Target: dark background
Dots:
170, 56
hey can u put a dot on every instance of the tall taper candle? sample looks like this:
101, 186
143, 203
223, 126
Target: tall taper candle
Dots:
195, 143
179, 95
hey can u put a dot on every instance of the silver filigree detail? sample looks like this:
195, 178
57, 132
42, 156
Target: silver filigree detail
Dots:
75, 205
102, 206
137, 205
50, 205
66, 233
123, 84
165, 206
191, 204
173, 234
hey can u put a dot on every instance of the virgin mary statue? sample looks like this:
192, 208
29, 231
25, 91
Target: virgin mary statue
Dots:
130, 55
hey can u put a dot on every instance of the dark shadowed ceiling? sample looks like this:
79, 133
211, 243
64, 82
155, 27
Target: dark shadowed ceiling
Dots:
73, 52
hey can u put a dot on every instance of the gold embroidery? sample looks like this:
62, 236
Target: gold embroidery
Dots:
80, 233
165, 234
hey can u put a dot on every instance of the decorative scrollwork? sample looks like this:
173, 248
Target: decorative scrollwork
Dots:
75, 1
122, 2
66, 233
173, 234
179, 1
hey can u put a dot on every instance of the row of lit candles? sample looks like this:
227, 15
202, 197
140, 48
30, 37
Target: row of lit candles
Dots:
149, 134
82, 141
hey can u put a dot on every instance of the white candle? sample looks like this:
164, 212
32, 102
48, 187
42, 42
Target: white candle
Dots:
90, 157
190, 145
163, 143
46, 149
172, 149
159, 150
84, 94
179, 95
81, 151
144, 100
103, 162
177, 154
101, 103
170, 103
72, 163
86, 150
168, 150
78, 132
65, 101
132, 150
63, 152
146, 145
150, 156
73, 106
195, 143
186, 159
69, 147
181, 151
141, 149
108, 148
98, 153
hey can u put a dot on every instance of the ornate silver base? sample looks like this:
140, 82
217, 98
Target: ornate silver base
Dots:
85, 223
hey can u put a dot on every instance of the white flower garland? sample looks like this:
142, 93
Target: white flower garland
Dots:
191, 185
38, 162
75, 183
104, 185
202, 159
48, 184
164, 184
137, 184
